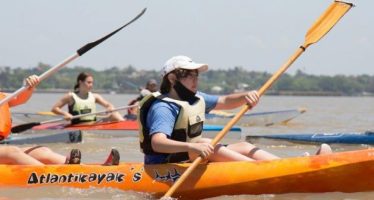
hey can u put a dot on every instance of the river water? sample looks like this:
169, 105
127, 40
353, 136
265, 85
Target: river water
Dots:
324, 114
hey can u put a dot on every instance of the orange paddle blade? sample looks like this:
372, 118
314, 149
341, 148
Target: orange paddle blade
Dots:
326, 21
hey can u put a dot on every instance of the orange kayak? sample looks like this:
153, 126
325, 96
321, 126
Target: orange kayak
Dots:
314, 174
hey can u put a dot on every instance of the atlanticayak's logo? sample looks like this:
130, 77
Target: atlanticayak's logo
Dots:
75, 178
168, 177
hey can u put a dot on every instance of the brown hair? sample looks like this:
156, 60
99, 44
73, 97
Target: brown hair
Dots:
81, 77
165, 85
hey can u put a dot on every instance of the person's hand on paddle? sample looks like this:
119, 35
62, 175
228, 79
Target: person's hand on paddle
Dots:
68, 116
202, 149
234, 100
109, 108
252, 98
32, 81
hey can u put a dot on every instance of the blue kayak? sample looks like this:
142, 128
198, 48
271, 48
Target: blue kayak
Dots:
211, 127
344, 138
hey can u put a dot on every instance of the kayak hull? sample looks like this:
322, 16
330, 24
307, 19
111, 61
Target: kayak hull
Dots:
330, 138
255, 119
34, 117
73, 136
325, 173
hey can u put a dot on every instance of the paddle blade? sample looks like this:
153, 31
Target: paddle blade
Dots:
91, 45
24, 127
326, 21
46, 113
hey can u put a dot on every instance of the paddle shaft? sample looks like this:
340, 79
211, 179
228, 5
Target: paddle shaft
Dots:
318, 30
79, 52
261, 91
24, 127
131, 84
89, 114
41, 77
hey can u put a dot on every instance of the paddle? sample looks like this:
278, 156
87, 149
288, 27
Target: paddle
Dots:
24, 127
131, 84
79, 52
321, 27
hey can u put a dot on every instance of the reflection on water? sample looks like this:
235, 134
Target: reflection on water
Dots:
324, 114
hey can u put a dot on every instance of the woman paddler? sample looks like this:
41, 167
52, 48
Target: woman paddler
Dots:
172, 119
83, 101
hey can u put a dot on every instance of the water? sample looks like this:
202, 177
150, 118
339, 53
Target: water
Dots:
324, 114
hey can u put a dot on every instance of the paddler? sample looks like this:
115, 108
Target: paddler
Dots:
132, 113
172, 119
28, 155
83, 101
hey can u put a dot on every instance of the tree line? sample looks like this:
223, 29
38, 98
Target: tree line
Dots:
129, 79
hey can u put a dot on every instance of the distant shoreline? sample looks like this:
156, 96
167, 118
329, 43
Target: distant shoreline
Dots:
128, 80
57, 91
269, 93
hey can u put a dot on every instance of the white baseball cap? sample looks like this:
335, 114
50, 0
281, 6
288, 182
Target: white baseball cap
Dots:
182, 62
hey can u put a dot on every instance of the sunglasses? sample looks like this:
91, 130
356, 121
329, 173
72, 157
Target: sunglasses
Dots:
184, 73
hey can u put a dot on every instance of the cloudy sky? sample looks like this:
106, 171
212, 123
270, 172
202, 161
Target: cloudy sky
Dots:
257, 35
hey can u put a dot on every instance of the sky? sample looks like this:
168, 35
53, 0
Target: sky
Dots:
256, 35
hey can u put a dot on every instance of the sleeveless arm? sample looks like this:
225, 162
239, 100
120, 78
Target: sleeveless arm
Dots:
100, 100
67, 99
